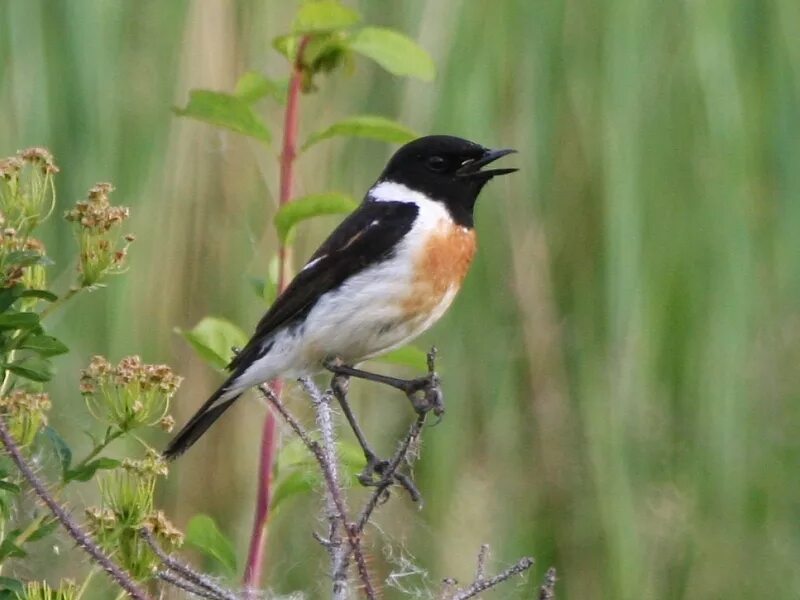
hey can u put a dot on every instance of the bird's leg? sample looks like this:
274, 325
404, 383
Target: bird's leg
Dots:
425, 393
375, 465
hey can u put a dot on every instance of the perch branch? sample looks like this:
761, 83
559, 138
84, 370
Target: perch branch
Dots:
548, 589
334, 490
82, 539
185, 572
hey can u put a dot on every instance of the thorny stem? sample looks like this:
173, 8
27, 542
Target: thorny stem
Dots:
481, 585
185, 574
255, 557
82, 539
337, 550
548, 589
353, 536
185, 585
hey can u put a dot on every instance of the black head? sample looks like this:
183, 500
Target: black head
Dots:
446, 169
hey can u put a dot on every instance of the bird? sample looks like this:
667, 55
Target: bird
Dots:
385, 275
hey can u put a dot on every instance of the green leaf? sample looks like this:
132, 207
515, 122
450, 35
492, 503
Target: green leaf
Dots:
253, 86
35, 370
60, 447
365, 126
213, 339
9, 549
295, 481
41, 294
87, 471
9, 487
330, 203
225, 110
10, 295
203, 534
45, 529
45, 345
398, 54
25, 258
324, 15
12, 587
18, 320
407, 356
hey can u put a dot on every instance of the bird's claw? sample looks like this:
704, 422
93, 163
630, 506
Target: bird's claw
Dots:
425, 394
375, 466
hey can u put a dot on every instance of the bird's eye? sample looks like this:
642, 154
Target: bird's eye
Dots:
436, 163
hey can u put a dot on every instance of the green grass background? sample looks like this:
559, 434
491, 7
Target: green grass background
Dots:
621, 368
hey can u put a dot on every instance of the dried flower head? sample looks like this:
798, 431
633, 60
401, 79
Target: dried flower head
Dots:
21, 260
103, 249
131, 394
27, 191
25, 413
169, 536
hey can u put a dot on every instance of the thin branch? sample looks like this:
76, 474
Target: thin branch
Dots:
391, 473
82, 539
483, 584
483, 554
185, 572
330, 482
548, 589
338, 551
181, 583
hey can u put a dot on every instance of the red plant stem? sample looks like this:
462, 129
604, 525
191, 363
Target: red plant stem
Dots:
269, 437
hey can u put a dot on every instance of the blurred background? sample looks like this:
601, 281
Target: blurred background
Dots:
621, 368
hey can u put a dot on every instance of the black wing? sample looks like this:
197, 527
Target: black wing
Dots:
368, 235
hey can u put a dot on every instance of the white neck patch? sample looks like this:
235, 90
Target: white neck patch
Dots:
431, 213
390, 191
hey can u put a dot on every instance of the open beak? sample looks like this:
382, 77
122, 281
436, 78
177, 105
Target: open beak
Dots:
472, 168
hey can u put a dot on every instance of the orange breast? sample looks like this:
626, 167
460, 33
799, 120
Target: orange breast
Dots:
440, 267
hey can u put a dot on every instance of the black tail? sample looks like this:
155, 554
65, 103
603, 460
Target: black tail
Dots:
202, 420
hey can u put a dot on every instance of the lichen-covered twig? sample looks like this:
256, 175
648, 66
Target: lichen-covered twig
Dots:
483, 583
548, 589
185, 574
82, 539
333, 488
338, 551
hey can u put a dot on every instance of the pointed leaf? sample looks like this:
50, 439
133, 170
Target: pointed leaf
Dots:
330, 203
203, 534
18, 320
60, 447
225, 110
213, 339
253, 86
398, 54
87, 471
10, 588
8, 549
35, 370
324, 15
45, 529
9, 486
365, 126
45, 345
10, 295
41, 294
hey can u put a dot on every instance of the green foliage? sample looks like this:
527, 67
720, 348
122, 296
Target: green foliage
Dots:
214, 339
123, 397
320, 16
393, 51
253, 86
364, 126
330, 203
226, 110
297, 471
203, 535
